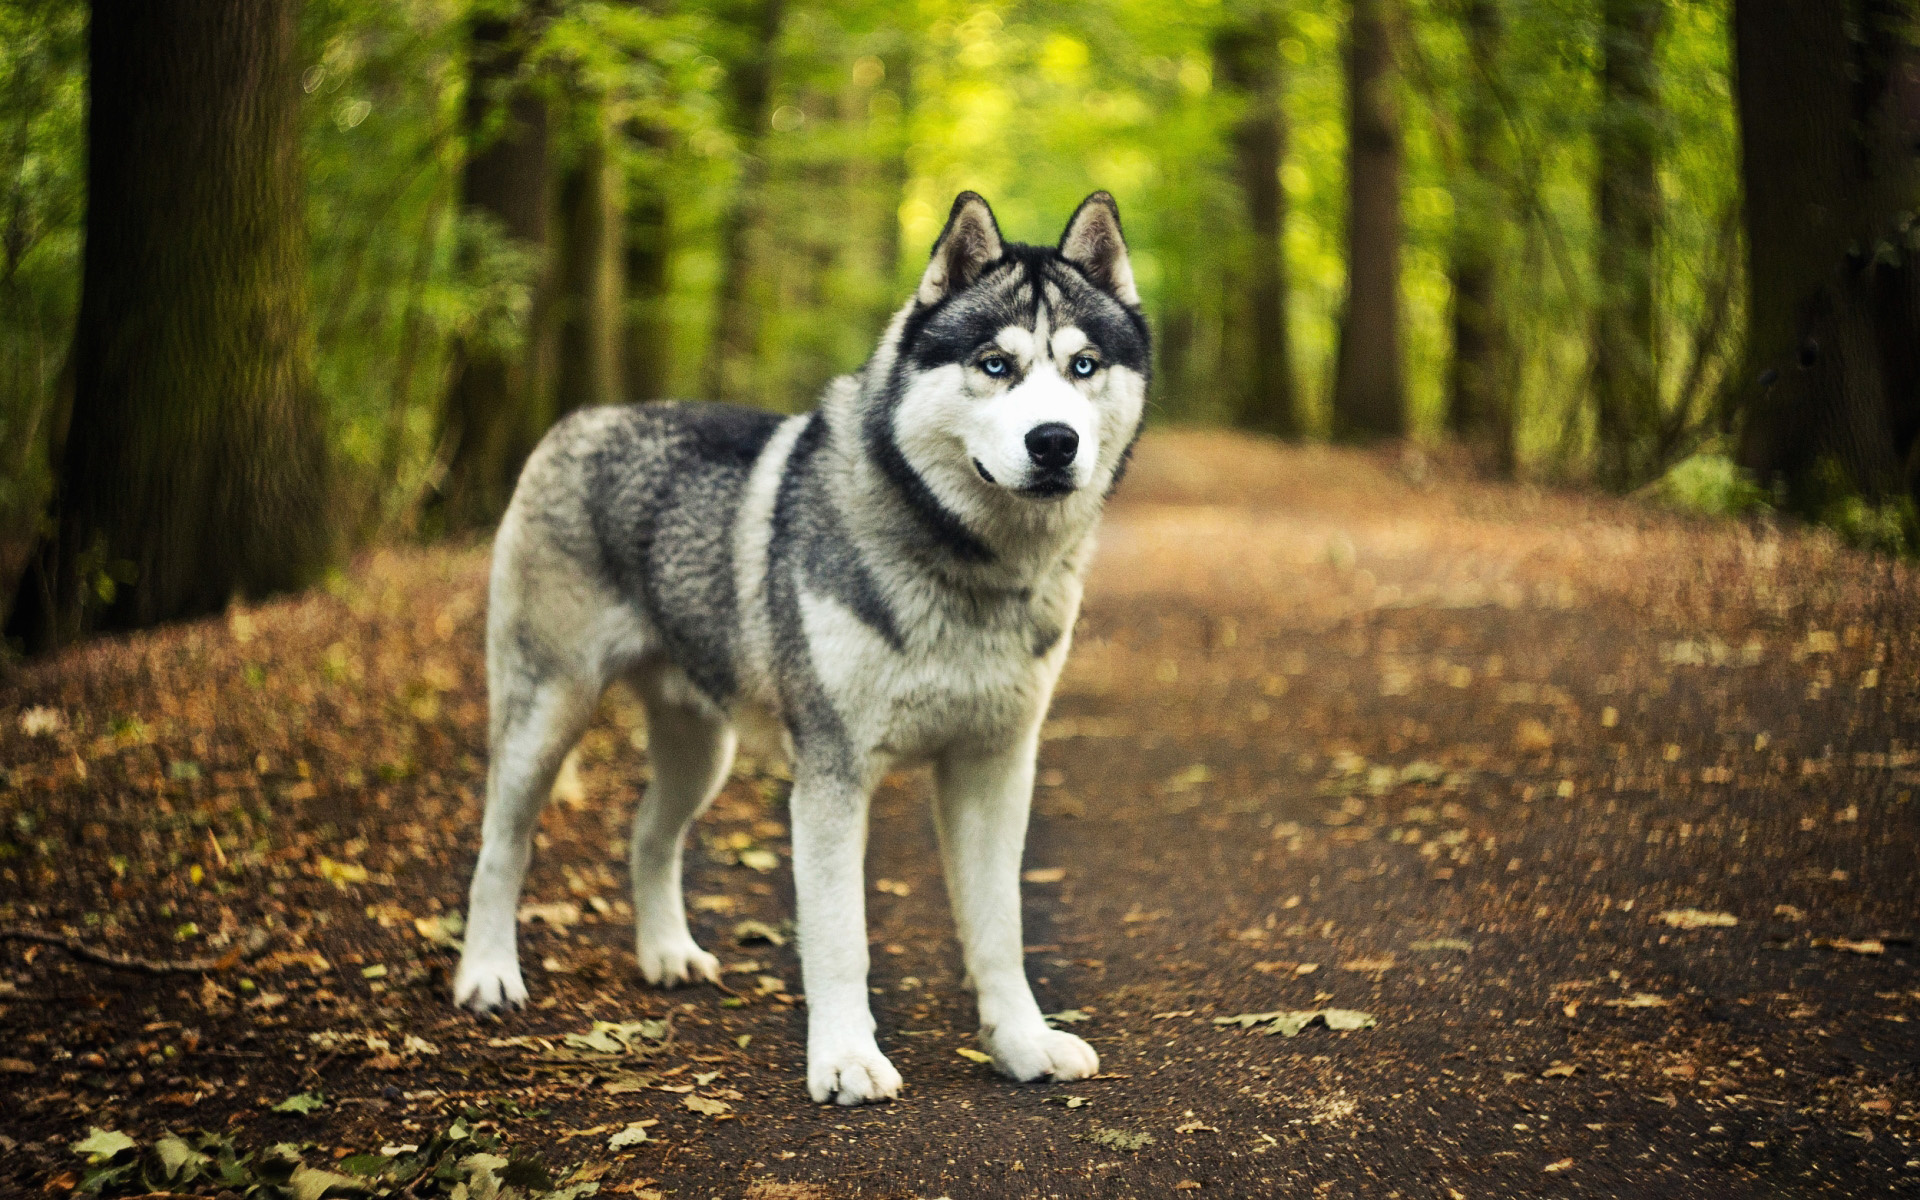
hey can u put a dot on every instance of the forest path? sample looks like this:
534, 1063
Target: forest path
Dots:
1339, 730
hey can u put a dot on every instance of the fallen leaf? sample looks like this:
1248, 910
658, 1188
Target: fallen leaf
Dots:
341, 874
759, 860
747, 932
1850, 946
1531, 736
1044, 875
1445, 943
1118, 1139
1562, 1165
1694, 918
558, 914
1066, 1017
1288, 1023
706, 1106
17, 1066
300, 1103
1638, 1000
632, 1135
103, 1144
1382, 963
972, 1055
1560, 1071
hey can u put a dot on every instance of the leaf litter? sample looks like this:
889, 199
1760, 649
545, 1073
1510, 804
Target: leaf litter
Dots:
1289, 1022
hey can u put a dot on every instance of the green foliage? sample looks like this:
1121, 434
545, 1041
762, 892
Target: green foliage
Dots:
878, 114
1711, 484
42, 193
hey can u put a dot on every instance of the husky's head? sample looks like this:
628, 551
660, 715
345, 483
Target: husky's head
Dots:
1019, 372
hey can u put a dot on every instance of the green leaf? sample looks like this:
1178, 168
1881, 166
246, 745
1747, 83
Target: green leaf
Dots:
99, 1179
176, 1156
103, 1144
309, 1184
301, 1104
367, 1166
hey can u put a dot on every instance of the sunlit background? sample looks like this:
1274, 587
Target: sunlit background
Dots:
873, 117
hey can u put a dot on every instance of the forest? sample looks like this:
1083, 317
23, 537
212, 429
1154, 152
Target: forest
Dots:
1484, 763
284, 280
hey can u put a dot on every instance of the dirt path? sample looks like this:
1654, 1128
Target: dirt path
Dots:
1336, 732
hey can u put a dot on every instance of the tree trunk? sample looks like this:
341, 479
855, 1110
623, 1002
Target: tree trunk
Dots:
587, 364
1829, 116
495, 394
1479, 411
1369, 393
1247, 62
1626, 382
736, 326
196, 466
647, 279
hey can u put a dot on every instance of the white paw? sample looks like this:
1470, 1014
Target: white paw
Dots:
1037, 1052
488, 984
674, 961
851, 1075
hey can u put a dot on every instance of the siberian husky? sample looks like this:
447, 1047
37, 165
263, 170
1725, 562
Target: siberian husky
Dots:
889, 579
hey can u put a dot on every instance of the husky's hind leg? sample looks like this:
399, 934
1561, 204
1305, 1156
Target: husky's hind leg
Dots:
536, 722
691, 748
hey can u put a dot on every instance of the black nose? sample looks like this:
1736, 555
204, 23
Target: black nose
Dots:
1052, 446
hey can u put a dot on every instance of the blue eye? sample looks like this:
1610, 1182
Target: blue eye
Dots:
994, 365
1084, 365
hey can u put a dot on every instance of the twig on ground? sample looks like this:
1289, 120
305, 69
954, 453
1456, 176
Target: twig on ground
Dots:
248, 949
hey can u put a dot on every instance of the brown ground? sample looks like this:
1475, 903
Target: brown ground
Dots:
1324, 710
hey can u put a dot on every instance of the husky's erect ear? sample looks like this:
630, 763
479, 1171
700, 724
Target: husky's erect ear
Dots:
1093, 243
970, 241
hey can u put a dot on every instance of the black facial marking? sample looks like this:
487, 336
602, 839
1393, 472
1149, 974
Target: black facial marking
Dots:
946, 528
1009, 292
984, 473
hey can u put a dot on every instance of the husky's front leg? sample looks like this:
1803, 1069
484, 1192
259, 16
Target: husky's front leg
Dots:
844, 1063
981, 815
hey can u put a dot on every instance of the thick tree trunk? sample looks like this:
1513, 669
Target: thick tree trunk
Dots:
1369, 393
495, 396
196, 466
588, 360
730, 363
1626, 382
1479, 412
1829, 115
1247, 62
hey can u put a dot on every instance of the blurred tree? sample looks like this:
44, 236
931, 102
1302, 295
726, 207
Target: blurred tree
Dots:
1627, 161
1369, 393
587, 300
755, 26
1829, 98
1246, 56
196, 467
1479, 408
43, 50
646, 331
495, 400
